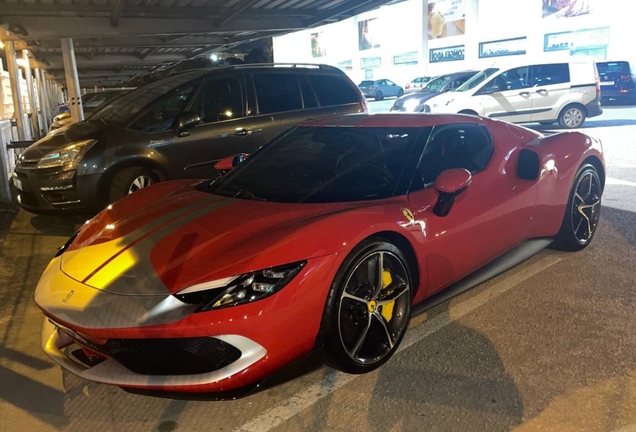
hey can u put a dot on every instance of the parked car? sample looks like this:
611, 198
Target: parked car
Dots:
416, 84
350, 222
379, 89
414, 102
178, 127
91, 102
546, 93
617, 81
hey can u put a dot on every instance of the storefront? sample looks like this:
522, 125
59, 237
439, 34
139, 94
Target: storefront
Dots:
417, 37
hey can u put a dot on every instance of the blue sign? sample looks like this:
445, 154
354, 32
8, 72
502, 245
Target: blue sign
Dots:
504, 47
588, 38
453, 53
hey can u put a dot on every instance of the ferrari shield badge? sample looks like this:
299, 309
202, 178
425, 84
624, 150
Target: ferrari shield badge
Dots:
408, 214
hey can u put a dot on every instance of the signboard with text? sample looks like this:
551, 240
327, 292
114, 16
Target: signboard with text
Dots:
371, 62
597, 37
409, 58
453, 53
504, 47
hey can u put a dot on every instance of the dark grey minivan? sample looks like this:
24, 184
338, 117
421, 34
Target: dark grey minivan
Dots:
175, 128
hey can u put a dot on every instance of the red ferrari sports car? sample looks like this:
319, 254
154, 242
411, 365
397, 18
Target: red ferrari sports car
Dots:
329, 237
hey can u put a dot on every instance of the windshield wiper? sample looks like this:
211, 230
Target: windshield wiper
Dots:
248, 195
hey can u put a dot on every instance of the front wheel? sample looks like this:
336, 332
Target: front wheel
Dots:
379, 96
572, 117
130, 180
368, 308
582, 212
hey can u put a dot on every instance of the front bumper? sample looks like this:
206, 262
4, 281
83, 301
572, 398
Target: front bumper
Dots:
82, 358
53, 190
83, 324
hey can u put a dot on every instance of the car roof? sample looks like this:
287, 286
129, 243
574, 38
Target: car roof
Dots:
393, 120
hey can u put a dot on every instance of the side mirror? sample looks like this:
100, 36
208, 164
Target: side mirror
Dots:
185, 122
450, 184
229, 163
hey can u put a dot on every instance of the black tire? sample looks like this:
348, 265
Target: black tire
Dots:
574, 235
572, 117
400, 93
346, 350
379, 96
124, 182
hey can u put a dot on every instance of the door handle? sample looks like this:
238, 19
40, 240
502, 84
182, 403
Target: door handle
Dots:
524, 93
243, 133
541, 91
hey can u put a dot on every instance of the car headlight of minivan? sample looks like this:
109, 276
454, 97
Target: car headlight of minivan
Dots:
412, 105
67, 157
238, 290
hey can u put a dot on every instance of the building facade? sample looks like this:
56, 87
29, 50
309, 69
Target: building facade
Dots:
413, 38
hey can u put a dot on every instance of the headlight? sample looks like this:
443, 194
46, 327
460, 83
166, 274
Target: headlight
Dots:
67, 157
237, 290
412, 105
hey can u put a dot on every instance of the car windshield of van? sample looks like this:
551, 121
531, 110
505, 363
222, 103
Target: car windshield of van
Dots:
121, 110
324, 165
613, 67
435, 85
477, 79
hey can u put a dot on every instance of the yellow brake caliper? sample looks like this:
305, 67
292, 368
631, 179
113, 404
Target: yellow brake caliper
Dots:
387, 309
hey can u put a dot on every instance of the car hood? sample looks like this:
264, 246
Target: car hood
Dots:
62, 137
442, 100
420, 97
172, 236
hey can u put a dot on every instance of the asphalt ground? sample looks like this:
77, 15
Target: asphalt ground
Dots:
548, 346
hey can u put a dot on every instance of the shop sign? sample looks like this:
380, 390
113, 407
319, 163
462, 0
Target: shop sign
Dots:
346, 65
410, 58
371, 62
597, 37
504, 47
453, 53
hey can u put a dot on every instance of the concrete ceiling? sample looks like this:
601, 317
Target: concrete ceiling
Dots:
118, 39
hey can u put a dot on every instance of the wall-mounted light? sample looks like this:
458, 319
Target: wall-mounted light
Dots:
1, 44
214, 57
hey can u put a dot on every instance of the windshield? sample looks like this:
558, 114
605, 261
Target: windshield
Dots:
324, 165
435, 85
613, 67
477, 79
120, 110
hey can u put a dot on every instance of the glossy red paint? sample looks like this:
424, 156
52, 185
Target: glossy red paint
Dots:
497, 212
453, 180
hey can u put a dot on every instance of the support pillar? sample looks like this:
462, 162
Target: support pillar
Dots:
72, 80
16, 91
33, 103
43, 99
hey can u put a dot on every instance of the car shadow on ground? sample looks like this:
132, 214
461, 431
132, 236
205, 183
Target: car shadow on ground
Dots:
457, 373
622, 221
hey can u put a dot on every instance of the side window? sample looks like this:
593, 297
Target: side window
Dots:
513, 79
437, 84
309, 98
551, 74
468, 146
277, 92
389, 82
333, 90
162, 114
219, 99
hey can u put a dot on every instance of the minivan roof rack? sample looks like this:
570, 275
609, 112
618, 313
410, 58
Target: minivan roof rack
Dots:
304, 65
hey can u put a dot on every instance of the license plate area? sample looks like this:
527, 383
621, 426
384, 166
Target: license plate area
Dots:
607, 83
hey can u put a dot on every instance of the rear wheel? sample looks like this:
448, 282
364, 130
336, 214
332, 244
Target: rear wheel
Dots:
572, 117
582, 212
400, 93
379, 96
368, 308
130, 180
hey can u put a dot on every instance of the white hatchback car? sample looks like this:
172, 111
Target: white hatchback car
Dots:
545, 93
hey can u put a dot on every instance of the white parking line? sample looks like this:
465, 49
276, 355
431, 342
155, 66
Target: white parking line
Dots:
304, 399
613, 181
